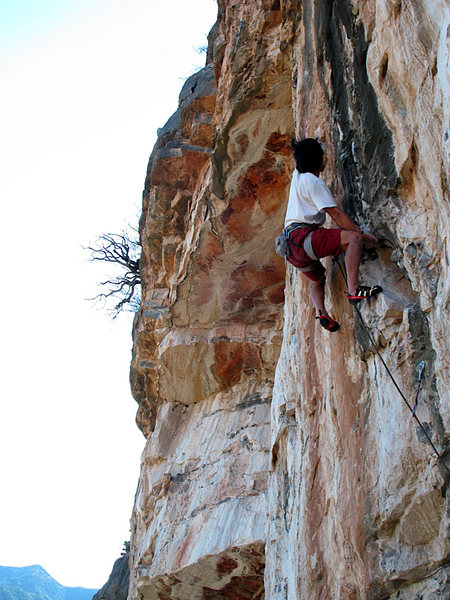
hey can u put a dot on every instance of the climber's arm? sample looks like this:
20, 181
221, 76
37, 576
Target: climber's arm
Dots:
343, 221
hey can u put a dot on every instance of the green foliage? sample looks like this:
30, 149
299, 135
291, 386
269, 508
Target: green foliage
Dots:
125, 548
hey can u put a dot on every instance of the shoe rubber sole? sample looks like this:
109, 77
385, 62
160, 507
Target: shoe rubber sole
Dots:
373, 291
328, 323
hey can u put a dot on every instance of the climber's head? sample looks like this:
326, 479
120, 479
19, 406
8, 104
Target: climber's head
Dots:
309, 155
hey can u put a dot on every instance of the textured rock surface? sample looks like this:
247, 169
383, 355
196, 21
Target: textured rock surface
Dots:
209, 335
319, 485
357, 501
116, 588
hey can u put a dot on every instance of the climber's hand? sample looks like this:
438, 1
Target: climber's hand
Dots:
370, 241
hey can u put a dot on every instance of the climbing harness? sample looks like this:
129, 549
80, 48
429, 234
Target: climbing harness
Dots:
420, 366
307, 247
283, 243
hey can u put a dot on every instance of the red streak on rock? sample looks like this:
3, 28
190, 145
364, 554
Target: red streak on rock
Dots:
228, 363
226, 564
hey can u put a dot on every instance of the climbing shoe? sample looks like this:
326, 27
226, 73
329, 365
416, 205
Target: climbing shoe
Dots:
327, 322
362, 292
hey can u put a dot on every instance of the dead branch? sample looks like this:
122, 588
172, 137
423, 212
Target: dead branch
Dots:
124, 251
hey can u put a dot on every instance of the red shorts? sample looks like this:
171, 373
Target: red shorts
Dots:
325, 242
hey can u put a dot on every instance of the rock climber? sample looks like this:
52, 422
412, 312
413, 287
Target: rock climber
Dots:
310, 201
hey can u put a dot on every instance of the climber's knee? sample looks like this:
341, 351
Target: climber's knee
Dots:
353, 238
320, 282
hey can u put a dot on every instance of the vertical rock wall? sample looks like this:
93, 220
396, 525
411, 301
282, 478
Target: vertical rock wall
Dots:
281, 461
357, 505
208, 337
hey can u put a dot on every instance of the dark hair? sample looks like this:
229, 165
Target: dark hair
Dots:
308, 155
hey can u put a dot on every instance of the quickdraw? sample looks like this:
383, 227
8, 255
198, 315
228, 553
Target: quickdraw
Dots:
420, 368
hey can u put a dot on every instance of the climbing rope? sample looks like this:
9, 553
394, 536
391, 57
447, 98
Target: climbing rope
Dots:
421, 366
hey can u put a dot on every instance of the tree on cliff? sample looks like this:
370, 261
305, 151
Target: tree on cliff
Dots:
122, 249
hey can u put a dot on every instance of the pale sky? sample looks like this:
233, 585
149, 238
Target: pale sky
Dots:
84, 85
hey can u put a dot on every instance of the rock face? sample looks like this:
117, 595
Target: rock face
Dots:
116, 588
281, 461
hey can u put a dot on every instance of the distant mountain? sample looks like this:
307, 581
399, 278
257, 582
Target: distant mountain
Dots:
34, 583
14, 593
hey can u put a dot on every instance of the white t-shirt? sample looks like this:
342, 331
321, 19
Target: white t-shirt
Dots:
308, 197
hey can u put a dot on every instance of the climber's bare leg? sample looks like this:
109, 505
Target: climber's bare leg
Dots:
318, 295
351, 244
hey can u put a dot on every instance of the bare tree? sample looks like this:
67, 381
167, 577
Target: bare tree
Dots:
122, 249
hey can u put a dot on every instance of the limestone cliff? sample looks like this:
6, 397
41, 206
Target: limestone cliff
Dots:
281, 461
116, 588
